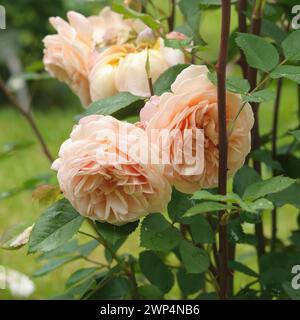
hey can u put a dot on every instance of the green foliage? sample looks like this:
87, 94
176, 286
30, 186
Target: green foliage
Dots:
288, 72
121, 105
156, 271
113, 234
189, 283
54, 227
201, 230
129, 13
260, 54
260, 96
163, 83
195, 260
266, 187
158, 234
291, 46
190, 9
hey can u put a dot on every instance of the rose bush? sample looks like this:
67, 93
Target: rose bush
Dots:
169, 148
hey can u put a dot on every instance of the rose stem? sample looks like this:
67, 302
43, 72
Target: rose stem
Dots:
171, 19
26, 113
274, 155
298, 89
222, 174
242, 27
252, 78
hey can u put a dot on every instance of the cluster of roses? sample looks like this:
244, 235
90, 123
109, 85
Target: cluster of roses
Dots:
99, 56
118, 192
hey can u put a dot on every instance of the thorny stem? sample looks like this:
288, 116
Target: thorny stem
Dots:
252, 78
298, 89
274, 155
95, 262
242, 27
28, 116
171, 19
223, 144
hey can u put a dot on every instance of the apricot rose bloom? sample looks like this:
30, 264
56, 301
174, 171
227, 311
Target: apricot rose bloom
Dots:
103, 173
69, 54
122, 68
192, 104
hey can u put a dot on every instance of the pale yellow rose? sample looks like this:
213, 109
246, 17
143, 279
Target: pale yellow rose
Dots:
67, 54
123, 68
192, 104
103, 74
103, 171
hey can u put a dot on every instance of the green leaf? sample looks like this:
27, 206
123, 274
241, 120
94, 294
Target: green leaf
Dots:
189, 283
80, 275
291, 46
158, 234
156, 271
288, 72
118, 288
237, 266
112, 233
53, 265
195, 260
55, 227
228, 198
243, 178
201, 230
150, 292
233, 84
290, 164
235, 231
266, 157
70, 248
192, 15
178, 44
66, 249
163, 83
131, 14
259, 53
179, 204
261, 204
272, 30
296, 134
289, 195
206, 206
265, 187
121, 105
260, 96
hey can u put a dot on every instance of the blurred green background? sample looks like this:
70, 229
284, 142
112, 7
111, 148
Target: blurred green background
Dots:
54, 110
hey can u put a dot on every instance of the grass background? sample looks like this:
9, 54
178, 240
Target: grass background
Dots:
55, 124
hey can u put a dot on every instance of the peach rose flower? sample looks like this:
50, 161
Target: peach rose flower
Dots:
122, 68
192, 104
67, 53
103, 171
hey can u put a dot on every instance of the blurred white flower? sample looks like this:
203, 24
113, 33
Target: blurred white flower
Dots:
16, 282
